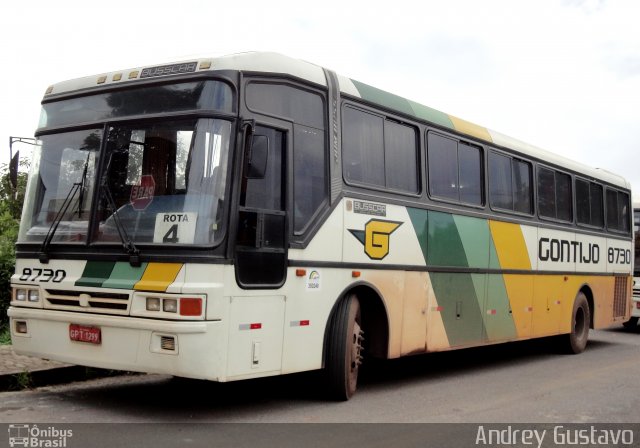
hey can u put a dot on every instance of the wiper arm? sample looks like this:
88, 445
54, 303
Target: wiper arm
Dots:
44, 256
127, 243
83, 182
75, 188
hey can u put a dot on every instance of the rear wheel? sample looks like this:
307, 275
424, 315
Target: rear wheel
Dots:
576, 341
344, 351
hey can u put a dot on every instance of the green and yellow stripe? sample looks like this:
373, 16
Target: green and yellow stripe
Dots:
121, 275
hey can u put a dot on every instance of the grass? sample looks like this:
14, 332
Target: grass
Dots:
5, 334
23, 381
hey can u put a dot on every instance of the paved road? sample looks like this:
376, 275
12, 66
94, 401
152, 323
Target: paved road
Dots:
510, 383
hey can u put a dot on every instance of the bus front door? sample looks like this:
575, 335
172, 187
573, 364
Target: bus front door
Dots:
261, 241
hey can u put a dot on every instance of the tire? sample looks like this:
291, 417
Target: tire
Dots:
344, 351
576, 341
631, 324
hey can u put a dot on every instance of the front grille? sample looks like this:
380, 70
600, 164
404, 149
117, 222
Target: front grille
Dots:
620, 297
88, 301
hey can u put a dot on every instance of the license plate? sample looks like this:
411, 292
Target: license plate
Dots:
82, 333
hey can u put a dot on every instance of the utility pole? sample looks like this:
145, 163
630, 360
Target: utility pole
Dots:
13, 164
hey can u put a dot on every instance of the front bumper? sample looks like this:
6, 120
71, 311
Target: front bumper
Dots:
127, 343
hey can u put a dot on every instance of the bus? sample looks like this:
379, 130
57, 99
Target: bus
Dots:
253, 215
635, 310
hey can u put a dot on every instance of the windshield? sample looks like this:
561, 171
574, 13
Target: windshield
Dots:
164, 182
59, 163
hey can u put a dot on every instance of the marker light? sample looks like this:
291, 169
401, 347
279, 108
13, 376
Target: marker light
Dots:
153, 304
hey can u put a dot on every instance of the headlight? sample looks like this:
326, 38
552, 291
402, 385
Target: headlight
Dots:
21, 295
153, 304
34, 295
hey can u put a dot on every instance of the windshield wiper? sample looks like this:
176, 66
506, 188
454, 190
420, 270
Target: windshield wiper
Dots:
127, 243
75, 188
44, 256
83, 182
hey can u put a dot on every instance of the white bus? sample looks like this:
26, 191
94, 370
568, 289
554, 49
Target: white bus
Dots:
253, 215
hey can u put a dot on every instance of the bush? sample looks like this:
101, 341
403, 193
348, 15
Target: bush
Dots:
10, 211
8, 236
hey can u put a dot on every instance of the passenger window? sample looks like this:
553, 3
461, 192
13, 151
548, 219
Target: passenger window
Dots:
455, 170
617, 211
379, 152
363, 147
554, 194
589, 210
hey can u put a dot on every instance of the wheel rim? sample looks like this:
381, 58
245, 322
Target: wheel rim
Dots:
579, 324
356, 354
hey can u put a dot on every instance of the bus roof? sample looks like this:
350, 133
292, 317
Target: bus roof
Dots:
277, 63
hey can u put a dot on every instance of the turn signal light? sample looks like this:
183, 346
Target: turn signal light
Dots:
190, 306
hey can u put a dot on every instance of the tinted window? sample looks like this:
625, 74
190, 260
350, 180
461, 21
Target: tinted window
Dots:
500, 184
509, 183
140, 101
362, 147
563, 196
306, 110
401, 167
379, 152
583, 202
546, 193
597, 207
309, 179
470, 161
455, 169
617, 210
554, 194
522, 175
281, 100
443, 166
266, 192
589, 203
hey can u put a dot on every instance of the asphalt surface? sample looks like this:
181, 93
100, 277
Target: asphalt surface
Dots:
518, 382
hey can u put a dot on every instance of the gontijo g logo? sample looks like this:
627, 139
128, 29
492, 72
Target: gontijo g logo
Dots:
376, 237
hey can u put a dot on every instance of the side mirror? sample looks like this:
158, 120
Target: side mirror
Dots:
13, 170
258, 156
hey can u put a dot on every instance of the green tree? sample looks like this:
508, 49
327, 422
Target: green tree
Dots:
11, 201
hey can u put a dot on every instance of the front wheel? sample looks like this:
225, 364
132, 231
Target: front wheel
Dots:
576, 341
631, 323
344, 351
